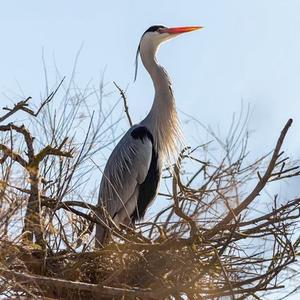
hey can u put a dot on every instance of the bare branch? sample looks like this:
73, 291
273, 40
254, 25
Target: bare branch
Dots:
13, 155
49, 150
260, 185
22, 105
96, 289
122, 93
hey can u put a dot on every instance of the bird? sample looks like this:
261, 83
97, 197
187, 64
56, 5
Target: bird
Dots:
133, 171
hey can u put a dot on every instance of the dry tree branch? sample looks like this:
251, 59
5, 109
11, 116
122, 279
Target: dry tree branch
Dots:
7, 152
205, 244
32, 221
95, 289
257, 189
23, 105
122, 93
26, 134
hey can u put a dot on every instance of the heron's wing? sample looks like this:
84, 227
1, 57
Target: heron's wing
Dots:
126, 168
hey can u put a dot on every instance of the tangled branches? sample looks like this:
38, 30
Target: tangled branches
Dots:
219, 236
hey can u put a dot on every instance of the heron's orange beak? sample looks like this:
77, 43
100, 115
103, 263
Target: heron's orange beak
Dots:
178, 30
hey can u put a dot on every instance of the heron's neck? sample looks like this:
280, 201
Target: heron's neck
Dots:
162, 119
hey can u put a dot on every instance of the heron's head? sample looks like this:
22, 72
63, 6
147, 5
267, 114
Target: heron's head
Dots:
156, 35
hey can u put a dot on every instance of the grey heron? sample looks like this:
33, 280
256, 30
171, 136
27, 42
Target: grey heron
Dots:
132, 173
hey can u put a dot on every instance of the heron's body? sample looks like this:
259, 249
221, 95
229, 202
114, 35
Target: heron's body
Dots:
132, 173
134, 150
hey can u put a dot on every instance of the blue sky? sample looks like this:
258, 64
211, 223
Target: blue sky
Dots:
249, 51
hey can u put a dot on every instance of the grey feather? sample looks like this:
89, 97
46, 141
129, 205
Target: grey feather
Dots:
126, 169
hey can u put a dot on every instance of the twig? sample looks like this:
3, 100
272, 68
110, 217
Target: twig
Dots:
255, 192
13, 155
122, 93
23, 105
95, 289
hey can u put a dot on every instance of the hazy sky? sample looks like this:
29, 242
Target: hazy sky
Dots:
249, 50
